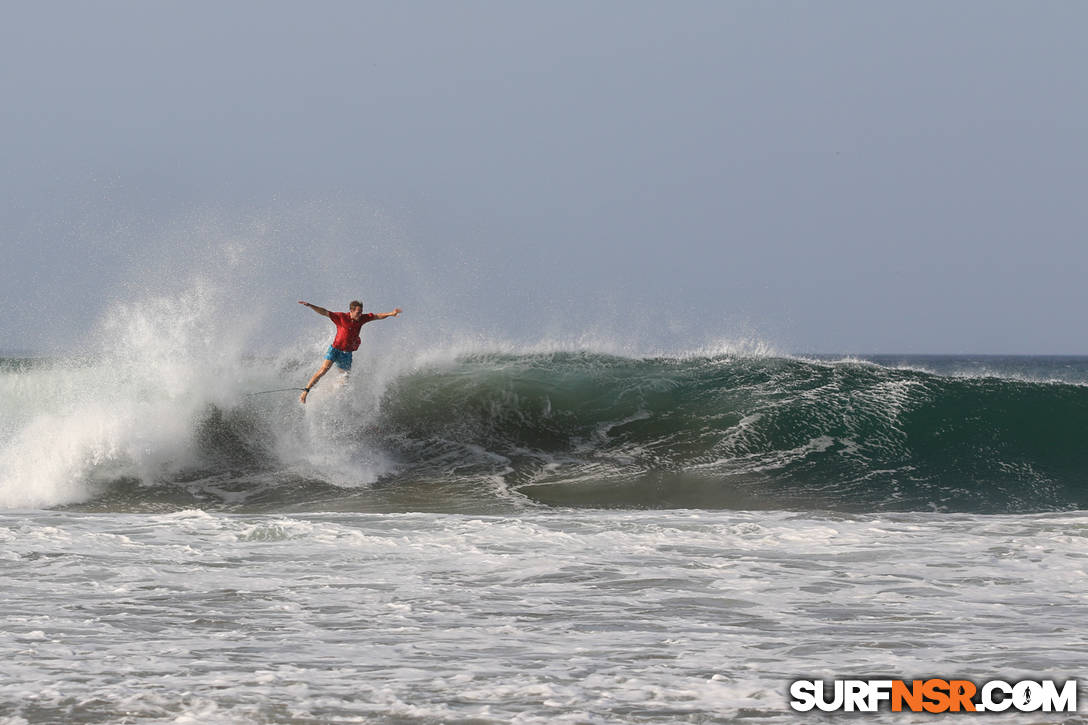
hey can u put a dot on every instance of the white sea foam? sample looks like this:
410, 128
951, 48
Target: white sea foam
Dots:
668, 616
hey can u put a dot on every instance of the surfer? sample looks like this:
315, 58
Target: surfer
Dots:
347, 340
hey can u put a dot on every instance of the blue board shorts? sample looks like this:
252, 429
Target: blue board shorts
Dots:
340, 357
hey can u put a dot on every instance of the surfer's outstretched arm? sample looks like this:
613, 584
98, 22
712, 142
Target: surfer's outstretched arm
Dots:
315, 308
383, 315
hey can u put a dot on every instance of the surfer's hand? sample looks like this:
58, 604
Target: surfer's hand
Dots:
396, 311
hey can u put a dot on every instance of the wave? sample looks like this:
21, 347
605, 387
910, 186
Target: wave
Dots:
580, 429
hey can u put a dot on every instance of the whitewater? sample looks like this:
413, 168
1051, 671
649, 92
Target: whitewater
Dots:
492, 531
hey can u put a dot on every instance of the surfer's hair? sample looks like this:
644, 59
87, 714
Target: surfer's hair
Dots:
354, 304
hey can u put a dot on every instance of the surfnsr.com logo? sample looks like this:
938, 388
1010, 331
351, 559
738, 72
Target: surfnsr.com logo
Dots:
933, 695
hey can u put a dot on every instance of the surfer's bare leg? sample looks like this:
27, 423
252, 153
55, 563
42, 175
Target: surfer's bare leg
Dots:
313, 381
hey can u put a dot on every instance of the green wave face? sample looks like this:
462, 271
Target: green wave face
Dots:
591, 430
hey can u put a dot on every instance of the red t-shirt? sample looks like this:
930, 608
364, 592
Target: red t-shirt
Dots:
347, 330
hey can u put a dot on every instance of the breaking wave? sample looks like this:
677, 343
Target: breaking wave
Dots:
501, 430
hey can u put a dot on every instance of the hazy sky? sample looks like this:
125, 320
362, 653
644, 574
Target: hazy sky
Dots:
825, 176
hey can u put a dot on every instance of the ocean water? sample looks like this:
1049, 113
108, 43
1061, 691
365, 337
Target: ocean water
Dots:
531, 534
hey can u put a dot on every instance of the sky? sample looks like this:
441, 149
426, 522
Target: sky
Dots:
832, 177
